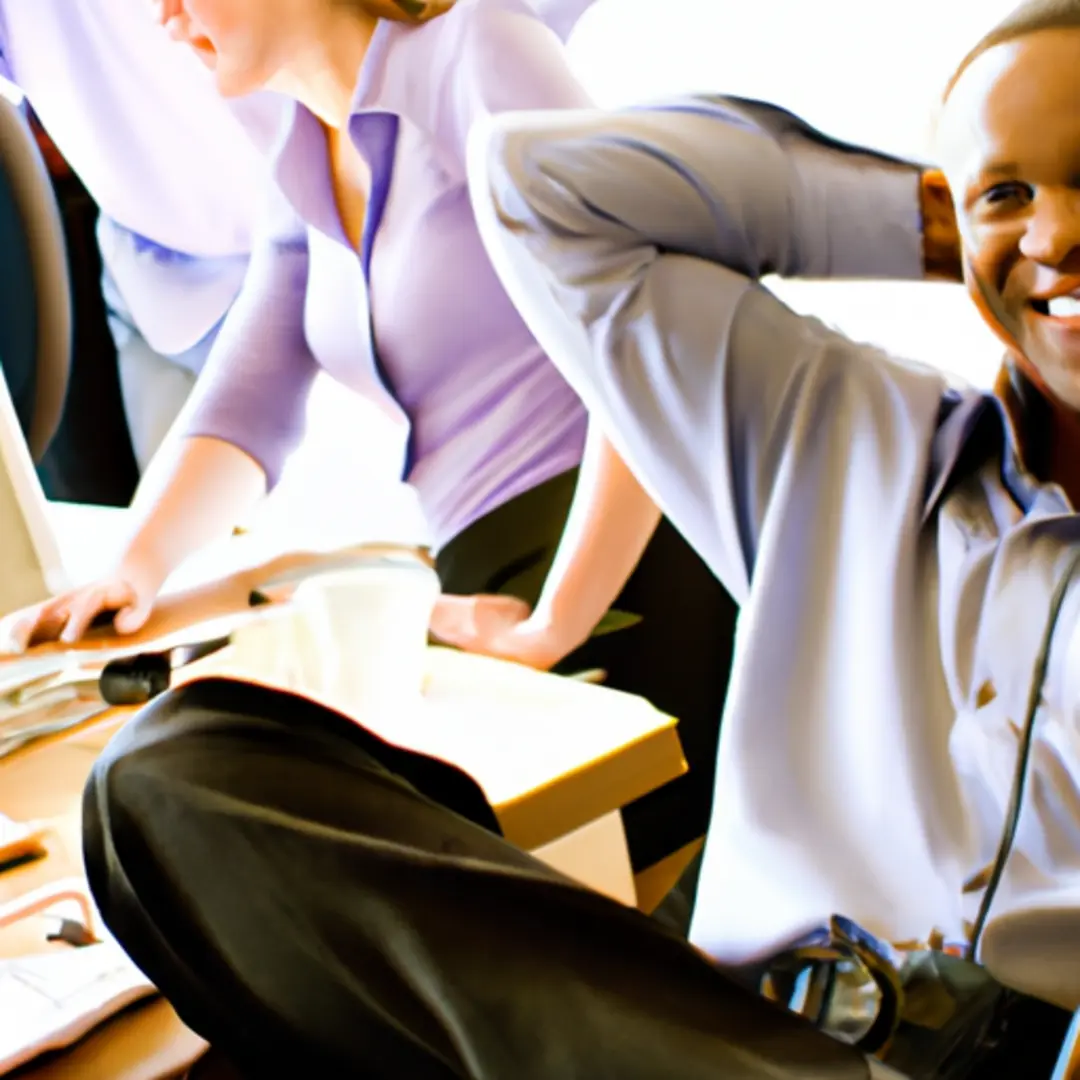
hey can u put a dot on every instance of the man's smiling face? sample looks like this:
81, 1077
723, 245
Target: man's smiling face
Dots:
1009, 140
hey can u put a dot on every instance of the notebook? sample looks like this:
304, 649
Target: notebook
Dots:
50, 1001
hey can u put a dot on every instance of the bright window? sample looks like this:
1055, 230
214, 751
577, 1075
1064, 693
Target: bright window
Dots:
869, 73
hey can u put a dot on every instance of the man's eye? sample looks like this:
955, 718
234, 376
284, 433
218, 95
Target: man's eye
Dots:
1010, 192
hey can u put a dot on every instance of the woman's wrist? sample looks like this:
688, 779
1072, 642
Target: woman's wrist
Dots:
142, 570
560, 626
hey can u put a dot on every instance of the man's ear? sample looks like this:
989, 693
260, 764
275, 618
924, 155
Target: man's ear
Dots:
942, 259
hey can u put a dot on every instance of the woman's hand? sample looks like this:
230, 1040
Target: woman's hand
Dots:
500, 626
130, 593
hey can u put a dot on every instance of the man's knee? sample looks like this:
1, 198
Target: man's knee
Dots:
149, 757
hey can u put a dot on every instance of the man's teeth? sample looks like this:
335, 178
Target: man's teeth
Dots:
1064, 307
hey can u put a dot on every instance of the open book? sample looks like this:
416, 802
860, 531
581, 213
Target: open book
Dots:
49, 1001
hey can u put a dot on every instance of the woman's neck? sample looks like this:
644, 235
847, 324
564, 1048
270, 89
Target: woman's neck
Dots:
322, 76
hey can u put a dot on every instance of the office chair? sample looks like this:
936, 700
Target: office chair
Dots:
35, 291
35, 358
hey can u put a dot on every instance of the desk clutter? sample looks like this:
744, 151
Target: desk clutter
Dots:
349, 626
22, 723
19, 842
50, 1001
349, 630
556, 758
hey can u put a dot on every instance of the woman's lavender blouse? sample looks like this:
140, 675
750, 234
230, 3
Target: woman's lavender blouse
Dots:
489, 415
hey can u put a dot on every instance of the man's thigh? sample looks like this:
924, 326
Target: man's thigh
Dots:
305, 893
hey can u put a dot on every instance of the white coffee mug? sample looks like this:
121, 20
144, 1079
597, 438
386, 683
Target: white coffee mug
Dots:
362, 635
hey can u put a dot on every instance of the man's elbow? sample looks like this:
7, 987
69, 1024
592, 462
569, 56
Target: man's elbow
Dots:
505, 183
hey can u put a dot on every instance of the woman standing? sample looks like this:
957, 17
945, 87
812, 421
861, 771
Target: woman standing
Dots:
387, 288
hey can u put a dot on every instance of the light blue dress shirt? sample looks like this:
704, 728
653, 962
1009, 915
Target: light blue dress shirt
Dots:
893, 560
178, 173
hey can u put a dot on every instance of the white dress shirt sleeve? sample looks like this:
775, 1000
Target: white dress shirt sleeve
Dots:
631, 242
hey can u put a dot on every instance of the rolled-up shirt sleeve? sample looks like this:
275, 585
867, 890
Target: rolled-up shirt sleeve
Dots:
254, 390
632, 242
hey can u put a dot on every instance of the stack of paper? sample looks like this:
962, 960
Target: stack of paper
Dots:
50, 1001
36, 705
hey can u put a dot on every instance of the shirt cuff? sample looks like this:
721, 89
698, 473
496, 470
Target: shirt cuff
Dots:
873, 228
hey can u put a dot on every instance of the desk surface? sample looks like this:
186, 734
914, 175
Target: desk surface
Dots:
551, 754
45, 784
547, 770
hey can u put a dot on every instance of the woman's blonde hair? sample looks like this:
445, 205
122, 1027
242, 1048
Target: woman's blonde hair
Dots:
410, 11
1028, 18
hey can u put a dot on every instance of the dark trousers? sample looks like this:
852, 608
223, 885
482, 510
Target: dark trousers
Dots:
678, 657
306, 899
90, 459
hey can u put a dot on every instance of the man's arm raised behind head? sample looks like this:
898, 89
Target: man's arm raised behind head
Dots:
631, 242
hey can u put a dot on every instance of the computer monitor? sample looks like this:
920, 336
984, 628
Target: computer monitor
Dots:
30, 565
35, 351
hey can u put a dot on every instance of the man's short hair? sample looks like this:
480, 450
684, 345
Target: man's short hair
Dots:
1028, 18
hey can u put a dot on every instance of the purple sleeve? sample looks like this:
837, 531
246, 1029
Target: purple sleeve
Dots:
254, 390
5, 64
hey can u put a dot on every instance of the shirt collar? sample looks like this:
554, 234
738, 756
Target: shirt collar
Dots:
1011, 423
299, 161
1027, 416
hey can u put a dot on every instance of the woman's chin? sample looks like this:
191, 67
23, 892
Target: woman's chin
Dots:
229, 81
232, 84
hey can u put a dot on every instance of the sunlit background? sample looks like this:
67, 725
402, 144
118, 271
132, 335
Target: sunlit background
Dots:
868, 72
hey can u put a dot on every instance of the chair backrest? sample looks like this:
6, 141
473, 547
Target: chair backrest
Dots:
35, 291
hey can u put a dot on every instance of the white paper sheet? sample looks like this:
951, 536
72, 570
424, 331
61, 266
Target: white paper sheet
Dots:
49, 1001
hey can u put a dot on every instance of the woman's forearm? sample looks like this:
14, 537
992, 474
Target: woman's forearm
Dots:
207, 488
609, 526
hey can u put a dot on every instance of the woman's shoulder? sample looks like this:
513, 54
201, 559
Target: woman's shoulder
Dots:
481, 57
558, 15
470, 20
